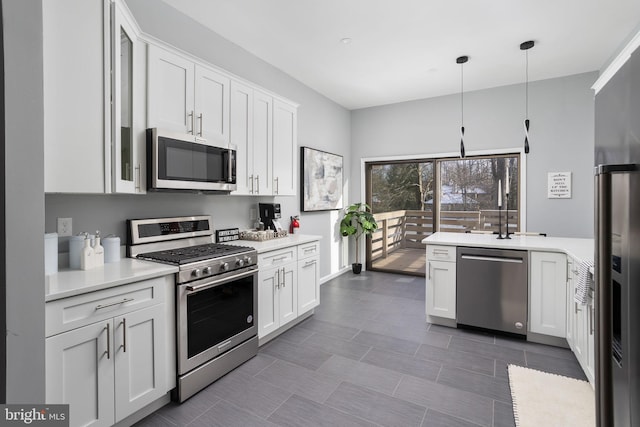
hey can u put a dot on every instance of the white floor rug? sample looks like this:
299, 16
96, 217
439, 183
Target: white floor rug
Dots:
542, 399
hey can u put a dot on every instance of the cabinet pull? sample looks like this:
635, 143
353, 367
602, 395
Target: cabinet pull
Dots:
576, 310
137, 179
280, 258
440, 252
307, 250
591, 316
191, 115
429, 270
277, 189
284, 278
251, 179
257, 184
100, 306
200, 118
308, 263
124, 334
108, 341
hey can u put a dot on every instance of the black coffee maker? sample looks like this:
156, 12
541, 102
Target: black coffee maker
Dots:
268, 213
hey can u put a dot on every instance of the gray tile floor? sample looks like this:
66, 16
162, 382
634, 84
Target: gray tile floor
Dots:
367, 357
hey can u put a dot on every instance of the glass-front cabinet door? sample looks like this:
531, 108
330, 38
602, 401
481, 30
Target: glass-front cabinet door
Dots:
125, 170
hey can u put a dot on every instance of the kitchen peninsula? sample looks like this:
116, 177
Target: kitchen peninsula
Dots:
467, 271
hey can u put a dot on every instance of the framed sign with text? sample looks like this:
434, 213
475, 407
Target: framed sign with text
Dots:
559, 185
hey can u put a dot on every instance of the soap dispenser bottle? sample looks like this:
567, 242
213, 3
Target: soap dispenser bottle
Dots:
98, 251
87, 255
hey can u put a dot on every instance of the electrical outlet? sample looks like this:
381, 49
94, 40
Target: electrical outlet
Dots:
65, 227
253, 214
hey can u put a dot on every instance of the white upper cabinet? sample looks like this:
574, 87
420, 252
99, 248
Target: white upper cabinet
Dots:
188, 97
241, 137
212, 105
76, 87
171, 91
128, 64
262, 143
285, 147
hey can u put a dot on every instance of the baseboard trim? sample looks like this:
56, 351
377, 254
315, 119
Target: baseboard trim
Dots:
340, 272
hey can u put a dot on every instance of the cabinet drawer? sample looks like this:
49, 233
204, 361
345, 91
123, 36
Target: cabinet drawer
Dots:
281, 256
441, 253
308, 249
70, 313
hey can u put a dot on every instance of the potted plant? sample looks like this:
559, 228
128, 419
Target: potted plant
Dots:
358, 220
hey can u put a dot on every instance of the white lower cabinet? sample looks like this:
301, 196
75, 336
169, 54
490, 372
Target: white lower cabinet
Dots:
288, 285
277, 297
548, 293
109, 367
581, 325
441, 282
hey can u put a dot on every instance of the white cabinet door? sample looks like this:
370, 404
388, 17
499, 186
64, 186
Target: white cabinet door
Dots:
570, 331
548, 293
212, 106
171, 91
76, 94
79, 372
581, 333
268, 301
262, 143
140, 359
285, 145
241, 136
308, 284
441, 289
288, 293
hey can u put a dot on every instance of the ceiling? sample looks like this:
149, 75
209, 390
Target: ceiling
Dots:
406, 49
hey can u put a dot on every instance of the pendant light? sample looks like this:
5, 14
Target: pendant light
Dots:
461, 60
526, 46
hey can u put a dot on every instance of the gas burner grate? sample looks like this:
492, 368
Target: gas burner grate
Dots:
189, 254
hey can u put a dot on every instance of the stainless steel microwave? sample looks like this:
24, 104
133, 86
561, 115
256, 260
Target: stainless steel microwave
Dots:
178, 161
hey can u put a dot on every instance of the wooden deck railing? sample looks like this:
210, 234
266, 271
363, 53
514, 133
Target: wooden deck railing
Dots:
407, 228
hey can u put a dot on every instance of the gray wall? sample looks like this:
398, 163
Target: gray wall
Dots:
561, 138
322, 124
24, 200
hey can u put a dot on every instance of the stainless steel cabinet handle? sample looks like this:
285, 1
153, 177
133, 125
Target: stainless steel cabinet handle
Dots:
108, 341
251, 180
137, 179
440, 252
576, 308
429, 269
257, 184
278, 279
308, 263
280, 258
284, 278
192, 131
491, 258
100, 306
124, 335
306, 251
277, 189
200, 118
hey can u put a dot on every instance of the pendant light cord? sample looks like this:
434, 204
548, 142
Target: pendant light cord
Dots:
462, 95
526, 85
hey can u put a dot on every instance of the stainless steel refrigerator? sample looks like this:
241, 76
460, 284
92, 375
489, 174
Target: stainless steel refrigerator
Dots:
617, 266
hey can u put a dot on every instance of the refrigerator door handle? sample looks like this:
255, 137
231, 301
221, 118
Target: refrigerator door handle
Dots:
603, 299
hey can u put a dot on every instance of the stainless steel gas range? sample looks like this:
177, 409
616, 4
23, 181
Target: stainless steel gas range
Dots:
216, 296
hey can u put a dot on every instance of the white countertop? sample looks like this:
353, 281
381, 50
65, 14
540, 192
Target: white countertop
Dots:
580, 249
277, 243
68, 283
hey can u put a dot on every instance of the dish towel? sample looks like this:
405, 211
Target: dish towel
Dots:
585, 282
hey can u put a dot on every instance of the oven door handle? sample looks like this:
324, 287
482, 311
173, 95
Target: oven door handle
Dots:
204, 286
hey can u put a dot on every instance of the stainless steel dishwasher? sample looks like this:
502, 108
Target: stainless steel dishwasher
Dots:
492, 289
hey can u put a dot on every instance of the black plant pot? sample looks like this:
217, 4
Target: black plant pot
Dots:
356, 268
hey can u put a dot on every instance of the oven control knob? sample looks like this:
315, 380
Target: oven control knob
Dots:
196, 273
207, 271
248, 260
240, 263
224, 266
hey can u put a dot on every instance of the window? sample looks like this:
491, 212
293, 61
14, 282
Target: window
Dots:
468, 194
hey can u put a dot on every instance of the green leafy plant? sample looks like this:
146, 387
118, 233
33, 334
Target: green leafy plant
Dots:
358, 220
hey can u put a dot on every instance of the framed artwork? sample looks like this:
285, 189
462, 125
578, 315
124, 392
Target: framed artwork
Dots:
321, 180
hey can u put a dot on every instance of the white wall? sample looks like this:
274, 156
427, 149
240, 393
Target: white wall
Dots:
561, 139
322, 124
22, 22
